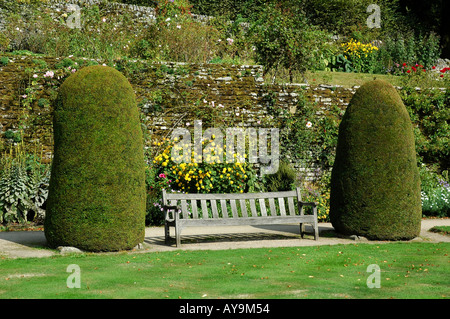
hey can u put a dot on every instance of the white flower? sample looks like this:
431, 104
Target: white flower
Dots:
49, 74
104, 19
230, 41
178, 26
308, 124
168, 19
35, 75
220, 105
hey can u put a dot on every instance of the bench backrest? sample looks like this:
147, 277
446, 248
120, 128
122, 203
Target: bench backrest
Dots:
234, 205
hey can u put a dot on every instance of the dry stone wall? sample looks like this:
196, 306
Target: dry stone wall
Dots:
169, 95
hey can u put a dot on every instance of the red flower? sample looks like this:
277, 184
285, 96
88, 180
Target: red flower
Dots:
404, 64
424, 70
414, 69
408, 71
442, 75
433, 67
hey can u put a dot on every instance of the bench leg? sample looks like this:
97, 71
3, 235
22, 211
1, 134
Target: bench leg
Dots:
302, 230
166, 233
316, 231
316, 226
178, 235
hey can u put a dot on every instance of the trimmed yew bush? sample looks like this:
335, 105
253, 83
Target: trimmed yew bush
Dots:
97, 194
375, 184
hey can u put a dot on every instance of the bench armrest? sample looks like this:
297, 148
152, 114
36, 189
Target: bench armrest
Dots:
166, 209
169, 207
312, 204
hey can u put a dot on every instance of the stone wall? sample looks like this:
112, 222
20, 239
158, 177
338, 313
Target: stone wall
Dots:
169, 95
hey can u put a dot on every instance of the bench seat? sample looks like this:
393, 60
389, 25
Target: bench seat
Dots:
270, 208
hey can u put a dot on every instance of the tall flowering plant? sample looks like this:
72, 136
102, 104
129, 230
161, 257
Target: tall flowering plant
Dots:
362, 56
208, 176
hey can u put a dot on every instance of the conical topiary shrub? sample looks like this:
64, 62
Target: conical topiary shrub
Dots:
96, 199
375, 184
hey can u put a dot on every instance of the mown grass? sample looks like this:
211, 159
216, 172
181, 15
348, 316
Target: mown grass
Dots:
348, 80
408, 270
444, 230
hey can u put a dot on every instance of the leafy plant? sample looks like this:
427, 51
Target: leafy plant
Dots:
4, 61
283, 180
362, 56
284, 38
341, 63
23, 187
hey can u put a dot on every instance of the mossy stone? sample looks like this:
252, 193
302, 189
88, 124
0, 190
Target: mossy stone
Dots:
375, 183
97, 195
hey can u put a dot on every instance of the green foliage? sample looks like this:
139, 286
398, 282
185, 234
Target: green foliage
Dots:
411, 49
284, 38
283, 180
23, 187
4, 61
341, 64
375, 183
16, 137
349, 17
430, 114
97, 189
435, 193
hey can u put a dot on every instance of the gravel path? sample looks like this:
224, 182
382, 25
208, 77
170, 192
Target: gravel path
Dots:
22, 244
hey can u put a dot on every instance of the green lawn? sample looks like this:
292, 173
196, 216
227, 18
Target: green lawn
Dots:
408, 270
348, 80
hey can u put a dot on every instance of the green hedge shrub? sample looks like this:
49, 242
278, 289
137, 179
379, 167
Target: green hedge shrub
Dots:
97, 193
375, 183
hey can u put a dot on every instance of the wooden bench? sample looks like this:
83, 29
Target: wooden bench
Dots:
286, 207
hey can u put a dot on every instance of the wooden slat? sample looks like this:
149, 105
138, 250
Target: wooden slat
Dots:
234, 208
214, 209
243, 208
262, 207
230, 196
291, 206
253, 211
273, 210
194, 209
223, 204
184, 210
172, 212
281, 205
204, 207
299, 199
